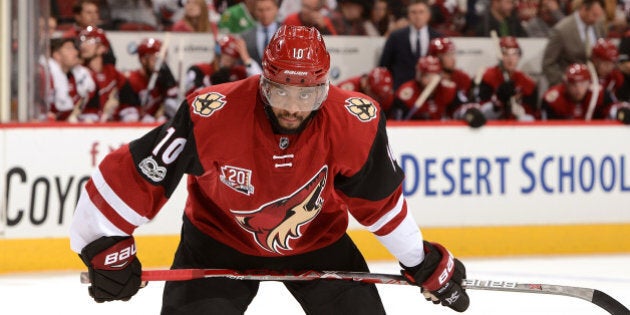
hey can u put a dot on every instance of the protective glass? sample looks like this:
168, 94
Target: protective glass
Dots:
293, 98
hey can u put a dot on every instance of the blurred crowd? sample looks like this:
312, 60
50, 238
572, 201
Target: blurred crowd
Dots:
586, 62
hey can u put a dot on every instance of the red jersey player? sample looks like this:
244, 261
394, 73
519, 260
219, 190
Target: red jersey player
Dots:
139, 101
506, 92
278, 200
444, 49
376, 84
571, 98
604, 56
93, 46
72, 88
234, 63
441, 104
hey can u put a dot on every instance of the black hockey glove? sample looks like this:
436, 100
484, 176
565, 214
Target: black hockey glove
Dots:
440, 276
623, 115
474, 117
505, 91
113, 268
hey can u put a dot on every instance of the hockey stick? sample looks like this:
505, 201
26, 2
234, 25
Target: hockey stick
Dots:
424, 96
595, 90
596, 297
156, 69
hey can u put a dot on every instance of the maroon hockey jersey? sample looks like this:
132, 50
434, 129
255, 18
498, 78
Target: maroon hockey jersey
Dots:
261, 193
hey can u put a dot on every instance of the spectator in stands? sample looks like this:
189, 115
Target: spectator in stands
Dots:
442, 102
195, 18
617, 13
381, 18
547, 15
447, 17
377, 84
572, 98
108, 80
405, 46
312, 13
501, 17
86, 13
604, 57
572, 39
234, 63
150, 93
623, 94
238, 18
257, 38
137, 15
444, 49
294, 6
72, 88
505, 92
351, 18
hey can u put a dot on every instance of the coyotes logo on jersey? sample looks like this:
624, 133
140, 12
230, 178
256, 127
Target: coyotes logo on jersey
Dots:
274, 224
208, 103
362, 108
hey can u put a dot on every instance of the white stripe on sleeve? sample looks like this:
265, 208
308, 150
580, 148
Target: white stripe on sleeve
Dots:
115, 202
89, 224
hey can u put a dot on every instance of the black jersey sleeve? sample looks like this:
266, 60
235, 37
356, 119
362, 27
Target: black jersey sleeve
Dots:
168, 152
379, 177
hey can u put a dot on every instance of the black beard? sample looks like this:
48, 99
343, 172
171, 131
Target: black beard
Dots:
275, 125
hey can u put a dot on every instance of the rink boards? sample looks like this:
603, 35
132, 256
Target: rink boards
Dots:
504, 189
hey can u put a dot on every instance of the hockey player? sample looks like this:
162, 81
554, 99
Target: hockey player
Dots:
444, 49
441, 104
504, 91
72, 88
141, 102
571, 98
93, 46
278, 200
604, 56
233, 63
376, 84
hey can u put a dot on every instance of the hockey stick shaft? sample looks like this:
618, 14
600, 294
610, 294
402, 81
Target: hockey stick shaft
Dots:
596, 297
423, 96
595, 90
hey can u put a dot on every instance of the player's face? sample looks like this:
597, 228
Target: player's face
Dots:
89, 48
511, 57
148, 62
68, 55
292, 104
448, 60
604, 67
226, 61
577, 90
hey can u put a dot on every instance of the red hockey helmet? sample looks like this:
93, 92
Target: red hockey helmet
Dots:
440, 46
577, 72
428, 64
93, 33
296, 55
149, 46
381, 83
509, 44
295, 62
228, 46
605, 49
